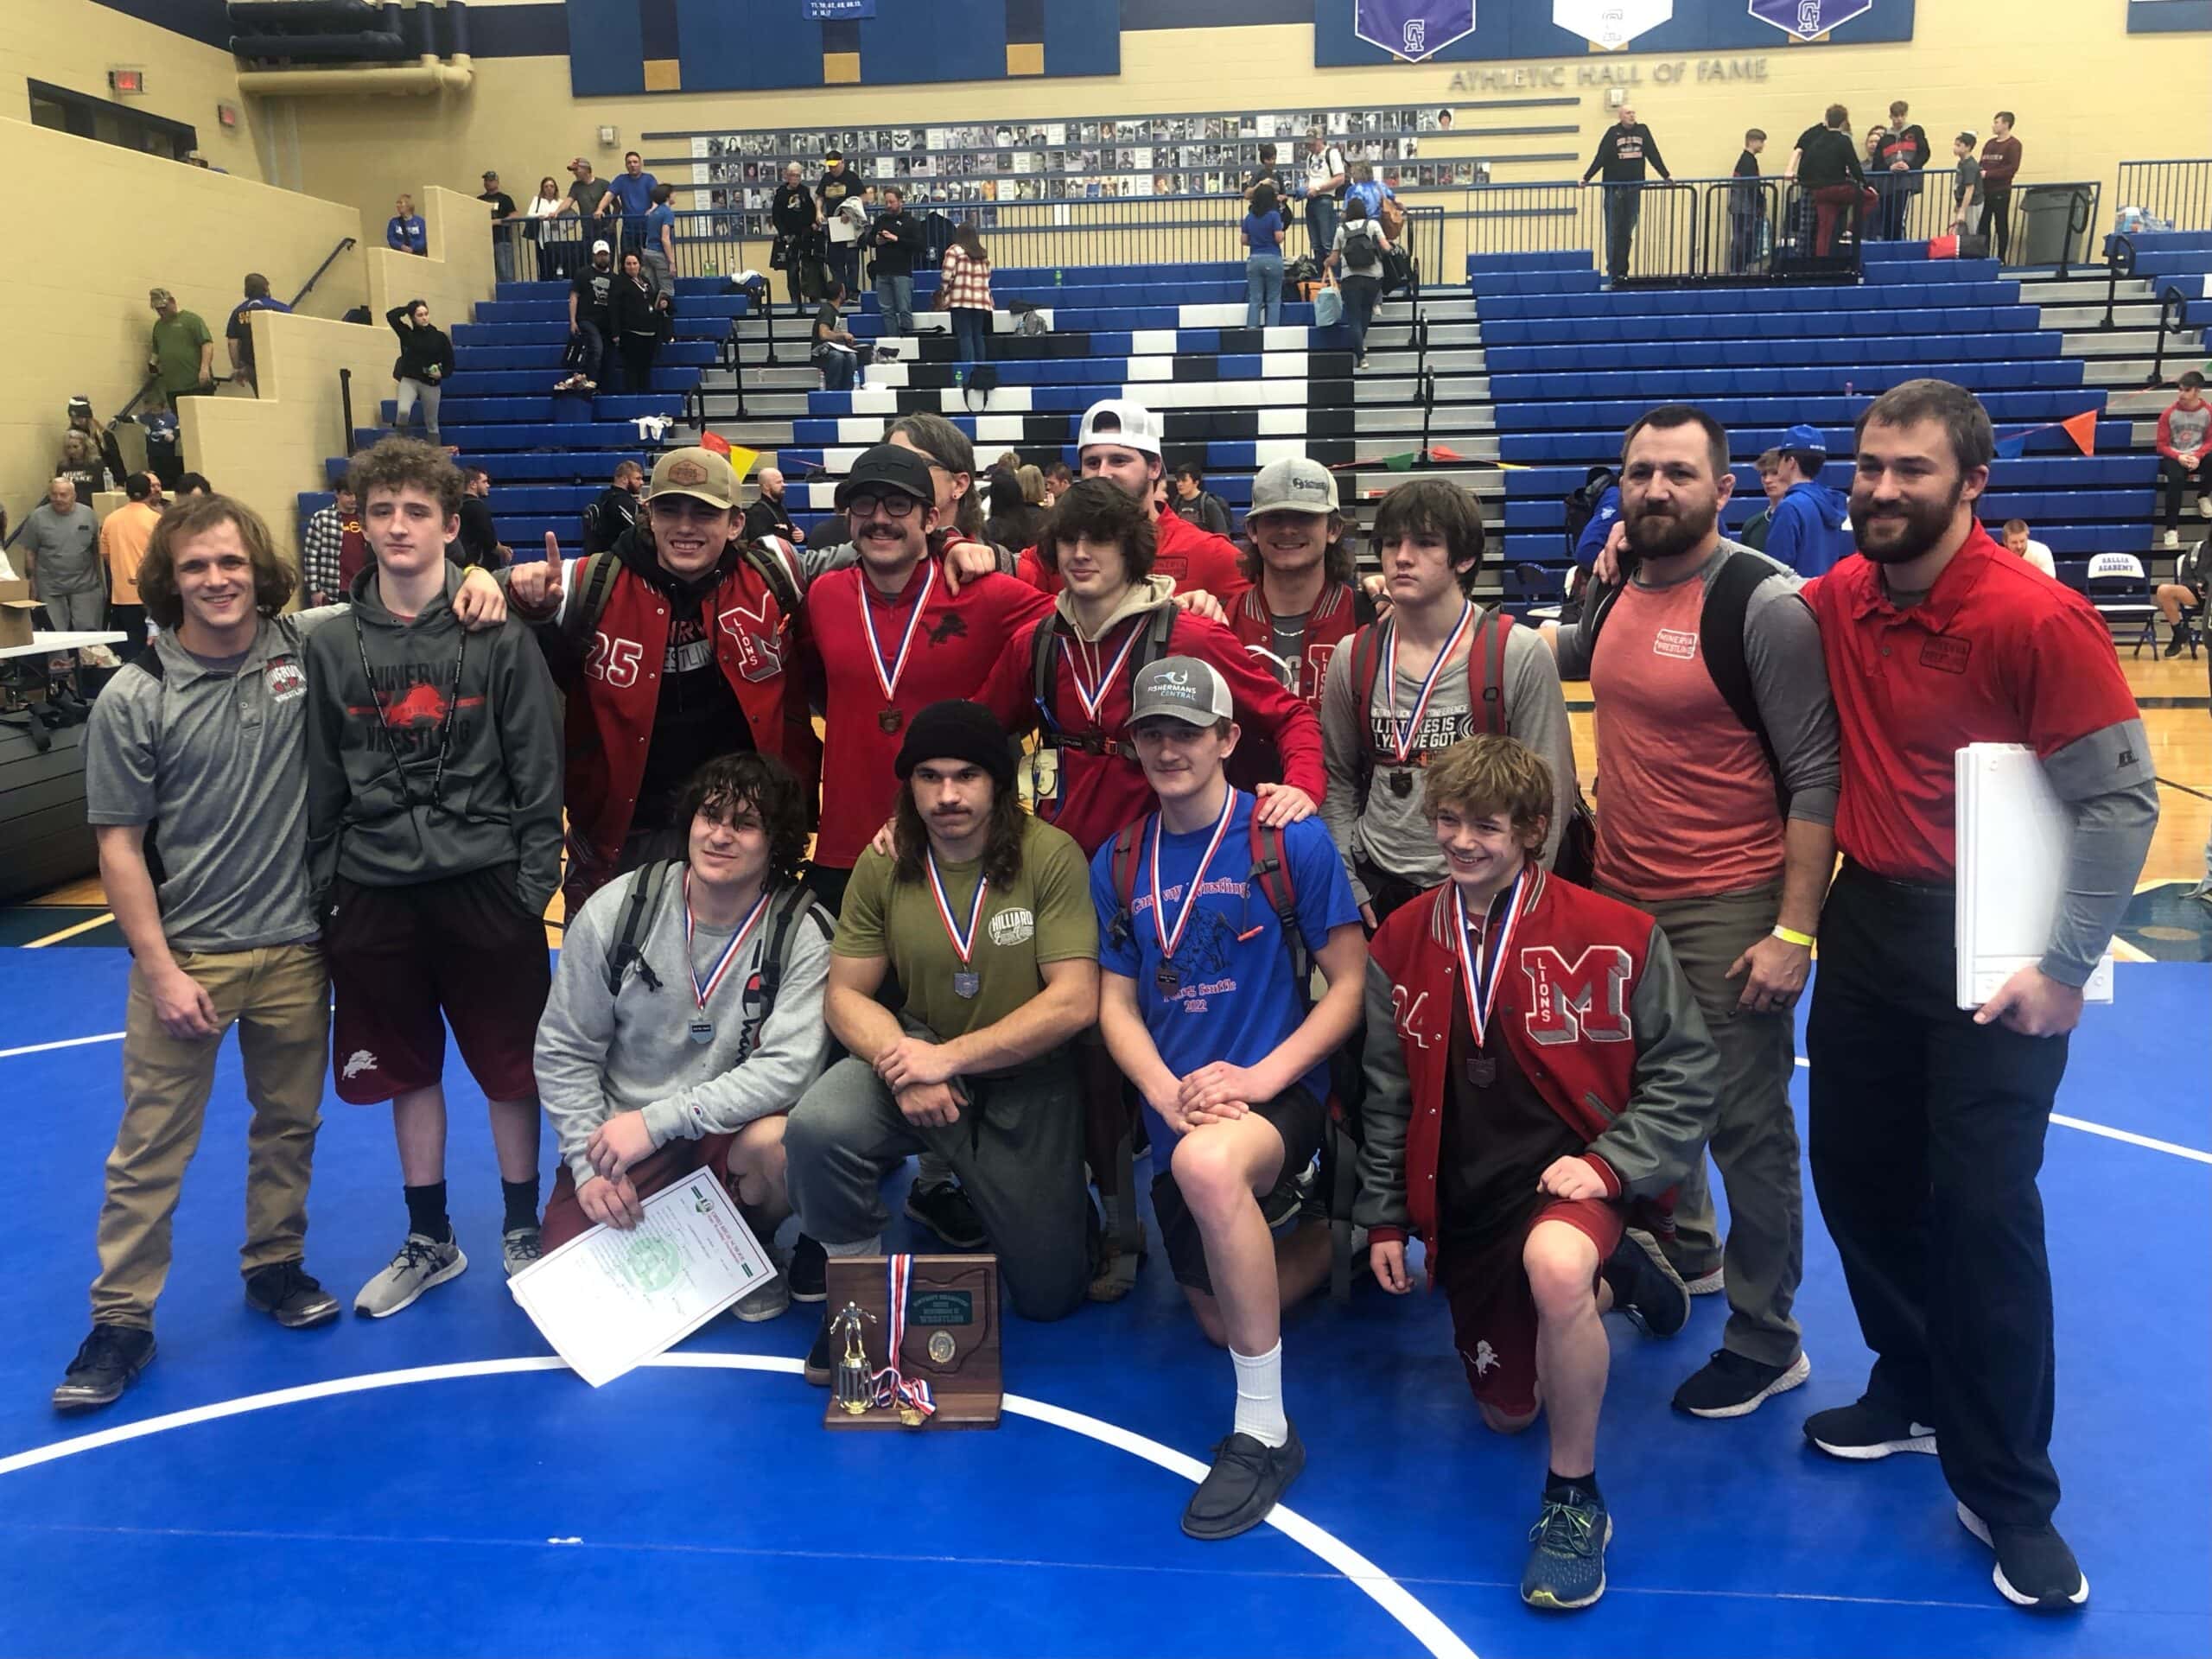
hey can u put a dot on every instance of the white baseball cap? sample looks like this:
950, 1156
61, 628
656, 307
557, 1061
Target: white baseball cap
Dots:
1295, 485
1118, 421
603, 247
1180, 688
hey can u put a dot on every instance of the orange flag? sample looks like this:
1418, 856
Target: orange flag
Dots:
2082, 429
1441, 451
715, 442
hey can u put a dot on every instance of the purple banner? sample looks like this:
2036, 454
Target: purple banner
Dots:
1807, 18
1413, 29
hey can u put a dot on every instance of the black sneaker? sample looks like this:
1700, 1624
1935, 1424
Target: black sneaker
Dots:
107, 1363
1732, 1386
1863, 1432
1645, 1287
2035, 1569
2177, 643
1247, 1480
809, 1273
946, 1211
820, 1359
289, 1295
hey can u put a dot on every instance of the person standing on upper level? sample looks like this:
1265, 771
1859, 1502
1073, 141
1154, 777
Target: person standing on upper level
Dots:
1623, 150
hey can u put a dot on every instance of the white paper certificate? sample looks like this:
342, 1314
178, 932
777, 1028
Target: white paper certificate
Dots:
609, 1299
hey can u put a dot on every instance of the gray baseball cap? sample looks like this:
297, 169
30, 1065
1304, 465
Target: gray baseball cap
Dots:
1180, 688
1294, 486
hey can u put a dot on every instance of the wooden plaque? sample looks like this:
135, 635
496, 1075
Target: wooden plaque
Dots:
953, 1335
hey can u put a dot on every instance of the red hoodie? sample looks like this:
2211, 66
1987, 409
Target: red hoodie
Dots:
1196, 560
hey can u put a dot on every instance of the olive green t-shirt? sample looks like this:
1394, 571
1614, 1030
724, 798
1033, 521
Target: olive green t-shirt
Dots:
1047, 916
177, 342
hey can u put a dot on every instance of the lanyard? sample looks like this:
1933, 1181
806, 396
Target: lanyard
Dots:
703, 990
887, 677
1402, 732
1171, 940
1093, 699
1482, 992
963, 942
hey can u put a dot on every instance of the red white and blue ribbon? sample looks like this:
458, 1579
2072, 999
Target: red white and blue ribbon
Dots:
887, 677
1403, 732
1169, 939
891, 1388
963, 943
1093, 696
704, 991
1481, 992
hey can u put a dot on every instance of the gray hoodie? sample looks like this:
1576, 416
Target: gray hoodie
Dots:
374, 752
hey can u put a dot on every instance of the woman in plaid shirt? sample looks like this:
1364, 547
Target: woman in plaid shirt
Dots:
966, 279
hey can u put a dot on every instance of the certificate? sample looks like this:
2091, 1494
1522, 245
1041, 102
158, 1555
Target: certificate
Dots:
611, 1299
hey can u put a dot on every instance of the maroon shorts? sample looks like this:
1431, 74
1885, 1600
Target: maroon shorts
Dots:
565, 1217
462, 947
1493, 1312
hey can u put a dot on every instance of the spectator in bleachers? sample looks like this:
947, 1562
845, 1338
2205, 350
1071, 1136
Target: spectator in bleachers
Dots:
1368, 190
83, 465
639, 311
124, 539
1806, 529
1770, 484
837, 185
1965, 187
1326, 178
2184, 592
1015, 522
1827, 169
835, 352
1747, 205
59, 551
1625, 149
2183, 429
591, 319
81, 419
503, 236
660, 239
2021, 545
895, 236
2000, 164
965, 277
607, 519
419, 372
1903, 151
1058, 476
181, 352
630, 197
478, 545
403, 230
191, 484
797, 220
1416, 684
587, 195
768, 515
332, 548
1263, 234
1357, 264
1195, 504
238, 333
1264, 174
555, 249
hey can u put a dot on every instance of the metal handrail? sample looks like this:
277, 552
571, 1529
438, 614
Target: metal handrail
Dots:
2174, 301
329, 259
1426, 379
2119, 261
2178, 191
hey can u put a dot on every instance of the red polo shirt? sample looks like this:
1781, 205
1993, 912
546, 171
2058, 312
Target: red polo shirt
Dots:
1198, 560
958, 639
1996, 653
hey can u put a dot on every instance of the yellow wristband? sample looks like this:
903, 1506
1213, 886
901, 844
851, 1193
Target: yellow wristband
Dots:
1791, 935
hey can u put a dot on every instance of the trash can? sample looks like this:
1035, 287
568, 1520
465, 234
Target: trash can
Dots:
2051, 216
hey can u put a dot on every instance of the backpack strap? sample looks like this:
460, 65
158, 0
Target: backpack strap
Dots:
1044, 666
1486, 672
1129, 843
646, 885
1366, 669
798, 900
770, 560
594, 585
1721, 623
1271, 872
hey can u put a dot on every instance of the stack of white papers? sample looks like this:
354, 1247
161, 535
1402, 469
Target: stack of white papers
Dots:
2014, 835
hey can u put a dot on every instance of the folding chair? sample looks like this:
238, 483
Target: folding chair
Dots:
2120, 589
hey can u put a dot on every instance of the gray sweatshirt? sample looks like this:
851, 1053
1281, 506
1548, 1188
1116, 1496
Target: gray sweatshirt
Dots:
1390, 833
600, 1054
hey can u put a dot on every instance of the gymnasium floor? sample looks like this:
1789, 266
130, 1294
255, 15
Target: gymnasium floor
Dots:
436, 1483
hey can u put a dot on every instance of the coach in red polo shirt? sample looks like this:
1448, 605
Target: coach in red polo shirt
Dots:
1927, 1122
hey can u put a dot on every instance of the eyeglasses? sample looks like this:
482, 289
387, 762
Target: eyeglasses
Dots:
892, 506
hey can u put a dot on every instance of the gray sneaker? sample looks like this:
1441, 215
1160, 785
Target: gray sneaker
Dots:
421, 1263
765, 1300
518, 1248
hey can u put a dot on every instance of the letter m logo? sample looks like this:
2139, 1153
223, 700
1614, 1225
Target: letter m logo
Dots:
1587, 998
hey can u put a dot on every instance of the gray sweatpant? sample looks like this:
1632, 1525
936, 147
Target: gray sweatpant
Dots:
1017, 1148
1755, 1137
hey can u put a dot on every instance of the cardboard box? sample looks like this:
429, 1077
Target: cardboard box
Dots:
16, 607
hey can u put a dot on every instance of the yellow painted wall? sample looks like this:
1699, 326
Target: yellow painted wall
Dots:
73, 43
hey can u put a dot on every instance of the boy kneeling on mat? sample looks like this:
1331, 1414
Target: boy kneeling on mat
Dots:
1552, 1071
1208, 924
685, 1017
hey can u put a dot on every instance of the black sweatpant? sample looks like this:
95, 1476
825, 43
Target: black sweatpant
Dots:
1926, 1132
2174, 478
1996, 219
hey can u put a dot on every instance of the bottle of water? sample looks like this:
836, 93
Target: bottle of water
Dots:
959, 378
1056, 276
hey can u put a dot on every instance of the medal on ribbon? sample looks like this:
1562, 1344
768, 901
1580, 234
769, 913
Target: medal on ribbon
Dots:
887, 675
910, 1395
1170, 978
1093, 696
1482, 971
701, 1028
1402, 732
966, 981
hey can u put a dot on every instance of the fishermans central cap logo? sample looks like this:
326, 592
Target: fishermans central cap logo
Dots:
686, 471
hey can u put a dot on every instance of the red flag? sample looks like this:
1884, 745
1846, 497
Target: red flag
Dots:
1442, 452
715, 442
2082, 429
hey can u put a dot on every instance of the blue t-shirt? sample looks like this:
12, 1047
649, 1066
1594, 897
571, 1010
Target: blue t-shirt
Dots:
1260, 232
1237, 1001
663, 215
635, 195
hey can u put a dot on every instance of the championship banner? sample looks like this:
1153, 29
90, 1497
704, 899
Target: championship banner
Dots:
1609, 25
1803, 20
1413, 29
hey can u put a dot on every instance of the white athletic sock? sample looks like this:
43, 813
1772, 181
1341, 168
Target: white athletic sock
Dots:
1259, 1395
865, 1247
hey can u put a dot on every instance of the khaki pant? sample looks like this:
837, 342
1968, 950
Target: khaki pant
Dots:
279, 999
1755, 1137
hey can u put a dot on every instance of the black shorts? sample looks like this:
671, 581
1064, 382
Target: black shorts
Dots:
1299, 1118
463, 947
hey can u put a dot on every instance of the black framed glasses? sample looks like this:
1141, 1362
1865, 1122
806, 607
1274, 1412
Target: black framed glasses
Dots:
867, 505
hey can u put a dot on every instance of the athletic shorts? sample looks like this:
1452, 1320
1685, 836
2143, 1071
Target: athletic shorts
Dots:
663, 1166
1494, 1313
1300, 1120
462, 947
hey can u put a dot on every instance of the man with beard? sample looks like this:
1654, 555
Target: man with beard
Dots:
1716, 741
768, 515
608, 519
1927, 1122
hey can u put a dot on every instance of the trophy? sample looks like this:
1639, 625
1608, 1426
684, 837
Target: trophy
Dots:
854, 1388
931, 1357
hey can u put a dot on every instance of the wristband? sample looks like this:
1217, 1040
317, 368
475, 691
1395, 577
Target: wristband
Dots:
1791, 935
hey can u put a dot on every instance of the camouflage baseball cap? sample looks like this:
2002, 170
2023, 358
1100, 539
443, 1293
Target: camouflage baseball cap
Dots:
700, 473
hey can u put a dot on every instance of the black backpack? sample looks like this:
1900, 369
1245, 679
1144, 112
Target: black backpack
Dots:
1044, 676
1360, 246
796, 901
1582, 504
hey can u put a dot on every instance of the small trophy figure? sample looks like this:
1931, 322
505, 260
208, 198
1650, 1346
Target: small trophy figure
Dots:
854, 1389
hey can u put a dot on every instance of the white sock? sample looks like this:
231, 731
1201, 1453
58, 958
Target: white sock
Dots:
1259, 1395
865, 1247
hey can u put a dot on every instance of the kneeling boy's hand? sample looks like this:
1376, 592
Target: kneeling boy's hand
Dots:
1219, 1091
930, 1105
1570, 1179
611, 1203
1387, 1259
620, 1141
911, 1060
